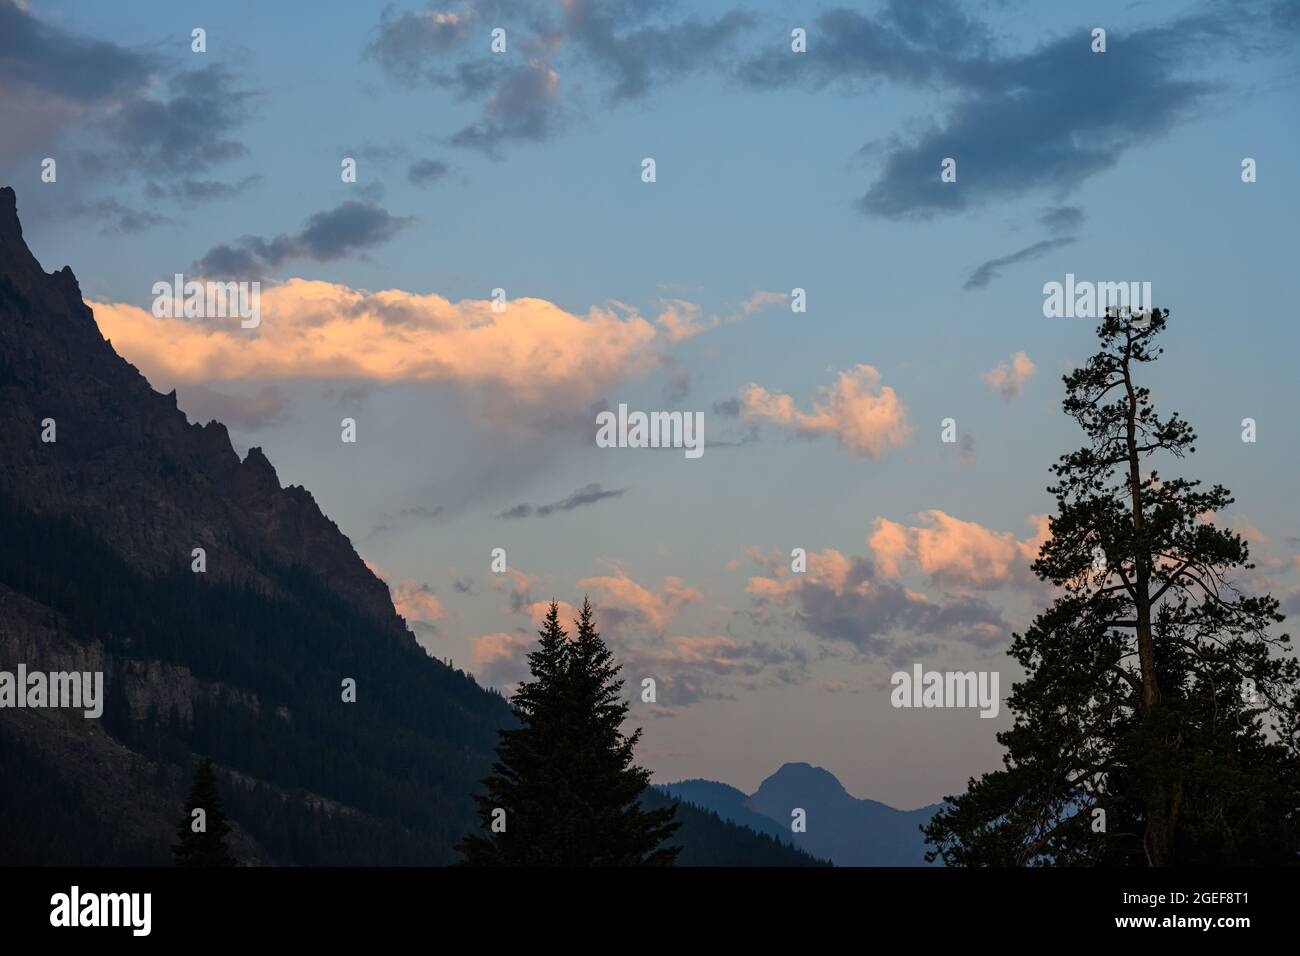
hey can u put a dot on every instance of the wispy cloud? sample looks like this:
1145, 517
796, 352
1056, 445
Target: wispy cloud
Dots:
586, 495
988, 271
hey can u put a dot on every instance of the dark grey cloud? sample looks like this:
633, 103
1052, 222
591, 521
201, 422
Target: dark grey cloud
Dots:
1039, 121
871, 613
188, 131
586, 495
1062, 219
677, 387
748, 437
728, 408
388, 522
199, 190
406, 41
348, 229
422, 512
988, 271
635, 53
622, 49
524, 105
425, 172
39, 56
967, 447
134, 113
114, 218
906, 42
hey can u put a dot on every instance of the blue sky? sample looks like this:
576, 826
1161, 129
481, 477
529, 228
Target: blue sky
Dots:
763, 159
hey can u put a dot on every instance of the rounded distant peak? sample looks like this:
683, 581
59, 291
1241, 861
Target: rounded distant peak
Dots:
807, 776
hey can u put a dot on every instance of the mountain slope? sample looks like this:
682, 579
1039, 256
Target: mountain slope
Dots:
708, 839
840, 827
244, 662
729, 804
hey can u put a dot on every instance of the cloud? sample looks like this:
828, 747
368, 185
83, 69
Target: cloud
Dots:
677, 386
346, 230
1058, 219
842, 598
691, 669
656, 609
635, 55
988, 271
500, 659
320, 330
1042, 120
955, 553
425, 172
727, 408
525, 105
586, 495
866, 418
186, 132
761, 300
1008, 379
254, 409
199, 190
37, 55
520, 587
133, 113
406, 41
683, 320
417, 602
621, 49
115, 218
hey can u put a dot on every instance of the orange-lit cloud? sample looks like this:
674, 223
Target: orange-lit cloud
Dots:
866, 418
655, 609
498, 648
955, 552
523, 365
417, 602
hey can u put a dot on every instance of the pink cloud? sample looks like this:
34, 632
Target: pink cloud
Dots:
955, 552
1007, 379
864, 416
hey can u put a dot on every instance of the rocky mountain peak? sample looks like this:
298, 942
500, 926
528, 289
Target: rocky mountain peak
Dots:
127, 463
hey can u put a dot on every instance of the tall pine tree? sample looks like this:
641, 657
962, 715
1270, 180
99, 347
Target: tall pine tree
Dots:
1159, 719
565, 790
209, 845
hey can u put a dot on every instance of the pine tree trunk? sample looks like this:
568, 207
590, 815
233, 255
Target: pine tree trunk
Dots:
1158, 836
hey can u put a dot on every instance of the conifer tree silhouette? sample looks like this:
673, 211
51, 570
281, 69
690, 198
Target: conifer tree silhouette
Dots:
1159, 719
207, 846
565, 790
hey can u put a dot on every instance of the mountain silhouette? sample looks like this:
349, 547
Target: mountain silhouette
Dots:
839, 827
106, 490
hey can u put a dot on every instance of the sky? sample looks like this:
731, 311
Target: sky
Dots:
774, 170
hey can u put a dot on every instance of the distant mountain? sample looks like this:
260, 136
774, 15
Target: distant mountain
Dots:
243, 663
840, 827
730, 804
709, 839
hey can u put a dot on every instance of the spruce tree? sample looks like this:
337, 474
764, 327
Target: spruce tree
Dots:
208, 847
1158, 722
565, 777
